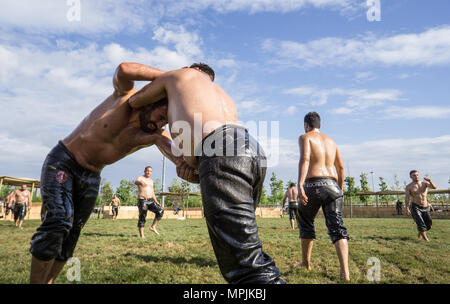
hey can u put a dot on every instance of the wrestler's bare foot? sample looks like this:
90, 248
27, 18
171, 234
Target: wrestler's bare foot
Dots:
345, 278
154, 230
298, 264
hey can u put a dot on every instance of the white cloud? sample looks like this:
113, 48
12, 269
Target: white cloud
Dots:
113, 16
17, 151
46, 16
361, 98
255, 6
184, 42
429, 48
46, 90
342, 110
251, 107
291, 110
417, 112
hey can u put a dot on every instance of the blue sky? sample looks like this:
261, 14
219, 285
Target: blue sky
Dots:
381, 87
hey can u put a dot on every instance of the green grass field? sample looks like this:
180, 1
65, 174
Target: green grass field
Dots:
112, 252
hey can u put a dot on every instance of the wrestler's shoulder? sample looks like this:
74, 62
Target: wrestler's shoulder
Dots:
408, 186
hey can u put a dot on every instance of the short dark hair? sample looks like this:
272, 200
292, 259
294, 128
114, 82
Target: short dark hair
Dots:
291, 185
412, 171
204, 68
148, 167
313, 120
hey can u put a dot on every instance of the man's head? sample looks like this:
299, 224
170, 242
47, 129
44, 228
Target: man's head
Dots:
153, 117
23, 187
312, 121
414, 174
204, 68
291, 185
148, 171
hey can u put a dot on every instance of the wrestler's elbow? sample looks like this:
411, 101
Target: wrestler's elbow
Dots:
123, 69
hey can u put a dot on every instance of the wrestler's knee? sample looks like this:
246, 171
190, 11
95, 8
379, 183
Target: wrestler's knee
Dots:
307, 233
159, 214
337, 233
47, 245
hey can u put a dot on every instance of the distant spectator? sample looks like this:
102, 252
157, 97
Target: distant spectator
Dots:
398, 206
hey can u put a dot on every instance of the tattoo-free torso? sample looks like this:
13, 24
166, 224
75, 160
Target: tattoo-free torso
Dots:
145, 188
418, 191
110, 132
322, 155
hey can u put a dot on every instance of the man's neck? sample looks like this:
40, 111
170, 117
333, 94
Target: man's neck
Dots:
313, 130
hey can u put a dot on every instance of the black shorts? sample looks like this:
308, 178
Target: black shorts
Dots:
19, 211
69, 192
325, 193
7, 209
293, 210
148, 204
231, 188
422, 217
115, 210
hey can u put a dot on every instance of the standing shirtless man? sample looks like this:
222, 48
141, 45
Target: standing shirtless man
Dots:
147, 201
231, 164
292, 196
115, 204
9, 205
320, 184
420, 208
22, 202
70, 176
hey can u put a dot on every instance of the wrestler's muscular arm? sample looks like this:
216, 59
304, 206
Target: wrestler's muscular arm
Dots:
153, 92
29, 200
284, 199
339, 164
430, 183
303, 165
128, 72
184, 171
137, 182
154, 197
407, 200
165, 144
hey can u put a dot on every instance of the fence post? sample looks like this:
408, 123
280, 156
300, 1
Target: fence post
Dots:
351, 208
376, 201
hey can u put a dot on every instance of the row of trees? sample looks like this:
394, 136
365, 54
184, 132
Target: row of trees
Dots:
127, 191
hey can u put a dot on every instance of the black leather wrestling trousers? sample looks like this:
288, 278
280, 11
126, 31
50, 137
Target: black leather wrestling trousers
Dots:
68, 194
231, 187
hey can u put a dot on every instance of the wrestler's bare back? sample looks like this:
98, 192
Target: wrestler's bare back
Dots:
191, 95
322, 155
292, 194
106, 134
